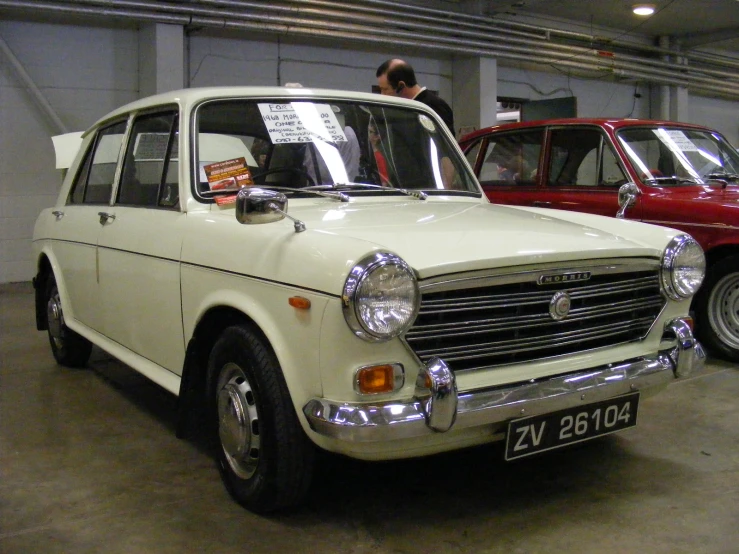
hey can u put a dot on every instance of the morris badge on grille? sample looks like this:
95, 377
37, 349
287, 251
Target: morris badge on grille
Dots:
559, 306
557, 278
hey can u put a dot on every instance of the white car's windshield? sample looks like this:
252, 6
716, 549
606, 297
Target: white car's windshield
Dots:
304, 144
679, 156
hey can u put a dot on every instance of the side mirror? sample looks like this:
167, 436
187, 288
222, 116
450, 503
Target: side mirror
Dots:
255, 206
627, 195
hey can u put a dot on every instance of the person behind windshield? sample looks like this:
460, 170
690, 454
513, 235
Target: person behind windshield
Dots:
315, 163
397, 78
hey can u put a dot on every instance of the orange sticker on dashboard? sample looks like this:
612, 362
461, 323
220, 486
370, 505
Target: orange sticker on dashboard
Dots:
228, 174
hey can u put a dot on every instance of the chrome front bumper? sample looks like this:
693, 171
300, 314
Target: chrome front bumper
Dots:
439, 407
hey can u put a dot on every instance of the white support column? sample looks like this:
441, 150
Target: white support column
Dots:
161, 58
475, 92
679, 98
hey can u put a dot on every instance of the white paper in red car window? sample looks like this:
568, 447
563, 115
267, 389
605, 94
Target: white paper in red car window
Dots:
295, 122
677, 139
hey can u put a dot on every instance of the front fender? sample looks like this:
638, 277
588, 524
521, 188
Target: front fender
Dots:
293, 334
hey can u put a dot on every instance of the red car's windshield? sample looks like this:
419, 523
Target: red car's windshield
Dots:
678, 156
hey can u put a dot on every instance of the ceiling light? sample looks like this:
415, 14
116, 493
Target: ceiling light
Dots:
643, 9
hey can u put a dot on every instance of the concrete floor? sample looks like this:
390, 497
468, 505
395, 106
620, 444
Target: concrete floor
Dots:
89, 463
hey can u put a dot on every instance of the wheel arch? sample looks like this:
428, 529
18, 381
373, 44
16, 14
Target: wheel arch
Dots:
43, 270
720, 252
192, 397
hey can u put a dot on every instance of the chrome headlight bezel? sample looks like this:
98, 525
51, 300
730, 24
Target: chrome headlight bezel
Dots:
682, 270
354, 305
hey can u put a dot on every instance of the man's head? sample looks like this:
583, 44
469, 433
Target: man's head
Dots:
396, 78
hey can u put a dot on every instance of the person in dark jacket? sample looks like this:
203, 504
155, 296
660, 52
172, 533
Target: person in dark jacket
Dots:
397, 78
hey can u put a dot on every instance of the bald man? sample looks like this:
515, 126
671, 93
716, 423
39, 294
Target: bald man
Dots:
396, 78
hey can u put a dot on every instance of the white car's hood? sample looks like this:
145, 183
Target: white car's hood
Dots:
443, 237
435, 237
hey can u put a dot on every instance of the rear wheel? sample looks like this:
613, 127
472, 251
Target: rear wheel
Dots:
264, 457
69, 348
717, 309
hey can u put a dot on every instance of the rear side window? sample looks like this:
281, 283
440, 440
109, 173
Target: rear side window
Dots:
150, 169
94, 182
512, 158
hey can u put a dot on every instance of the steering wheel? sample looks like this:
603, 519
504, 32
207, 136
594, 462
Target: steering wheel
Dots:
294, 170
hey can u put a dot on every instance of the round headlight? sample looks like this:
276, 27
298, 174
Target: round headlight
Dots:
380, 297
683, 267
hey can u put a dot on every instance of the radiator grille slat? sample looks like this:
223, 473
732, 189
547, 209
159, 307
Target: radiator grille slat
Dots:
496, 324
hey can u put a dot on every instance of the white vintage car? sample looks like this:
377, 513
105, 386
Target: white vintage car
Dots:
320, 269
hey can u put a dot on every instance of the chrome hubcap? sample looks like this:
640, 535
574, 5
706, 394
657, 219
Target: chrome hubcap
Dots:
723, 309
238, 421
55, 318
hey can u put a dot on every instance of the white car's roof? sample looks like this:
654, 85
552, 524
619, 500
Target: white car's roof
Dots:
187, 97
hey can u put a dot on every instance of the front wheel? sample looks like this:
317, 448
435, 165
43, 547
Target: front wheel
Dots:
264, 457
717, 309
69, 348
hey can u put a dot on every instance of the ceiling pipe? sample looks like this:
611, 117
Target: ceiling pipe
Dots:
662, 68
387, 20
219, 18
573, 35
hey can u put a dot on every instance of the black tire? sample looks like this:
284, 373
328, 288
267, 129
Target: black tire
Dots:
69, 348
717, 309
264, 457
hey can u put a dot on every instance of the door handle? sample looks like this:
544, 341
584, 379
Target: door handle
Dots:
58, 214
540, 204
105, 217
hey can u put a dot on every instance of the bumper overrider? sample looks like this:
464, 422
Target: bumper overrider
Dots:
438, 406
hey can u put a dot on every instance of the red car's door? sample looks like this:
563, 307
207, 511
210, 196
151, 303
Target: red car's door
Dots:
583, 172
575, 167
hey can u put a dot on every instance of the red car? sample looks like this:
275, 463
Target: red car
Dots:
673, 174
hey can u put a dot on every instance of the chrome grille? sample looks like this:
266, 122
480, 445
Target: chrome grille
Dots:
493, 320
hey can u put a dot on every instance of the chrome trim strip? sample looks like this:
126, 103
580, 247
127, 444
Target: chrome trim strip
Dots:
502, 276
401, 420
682, 223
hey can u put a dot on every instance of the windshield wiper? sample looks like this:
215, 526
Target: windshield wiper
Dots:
723, 176
337, 186
673, 180
336, 195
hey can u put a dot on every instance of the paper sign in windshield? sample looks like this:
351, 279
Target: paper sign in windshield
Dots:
228, 174
301, 122
678, 138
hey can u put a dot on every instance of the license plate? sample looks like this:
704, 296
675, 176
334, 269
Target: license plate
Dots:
535, 434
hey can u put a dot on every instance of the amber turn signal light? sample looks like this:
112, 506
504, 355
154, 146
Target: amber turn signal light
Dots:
375, 379
299, 302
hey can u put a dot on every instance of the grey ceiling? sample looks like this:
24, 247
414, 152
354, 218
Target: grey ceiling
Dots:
704, 24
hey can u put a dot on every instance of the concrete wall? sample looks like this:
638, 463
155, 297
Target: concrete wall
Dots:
595, 98
84, 71
722, 115
235, 61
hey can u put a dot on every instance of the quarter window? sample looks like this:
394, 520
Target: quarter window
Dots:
94, 182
